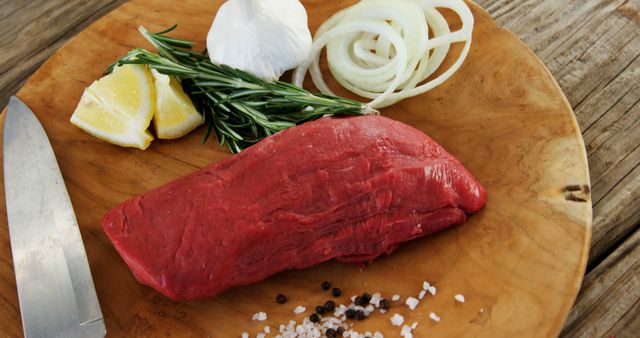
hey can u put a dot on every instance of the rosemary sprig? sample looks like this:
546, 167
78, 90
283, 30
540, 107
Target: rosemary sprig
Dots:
241, 108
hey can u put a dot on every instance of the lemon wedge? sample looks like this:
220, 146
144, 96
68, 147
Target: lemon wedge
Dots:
118, 108
175, 114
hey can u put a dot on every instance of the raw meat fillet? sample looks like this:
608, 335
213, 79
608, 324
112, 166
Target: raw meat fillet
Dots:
349, 189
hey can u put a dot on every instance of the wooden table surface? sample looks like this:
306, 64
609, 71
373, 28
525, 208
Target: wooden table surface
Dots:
592, 47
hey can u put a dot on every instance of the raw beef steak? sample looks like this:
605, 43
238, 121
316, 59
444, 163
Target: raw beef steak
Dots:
349, 189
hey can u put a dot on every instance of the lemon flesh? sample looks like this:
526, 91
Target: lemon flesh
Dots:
175, 114
118, 108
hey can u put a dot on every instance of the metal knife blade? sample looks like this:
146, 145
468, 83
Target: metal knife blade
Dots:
55, 288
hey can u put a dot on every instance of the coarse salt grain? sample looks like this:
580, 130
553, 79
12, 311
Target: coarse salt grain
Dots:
309, 329
375, 299
406, 332
397, 319
260, 316
412, 303
292, 323
332, 320
369, 308
245, 335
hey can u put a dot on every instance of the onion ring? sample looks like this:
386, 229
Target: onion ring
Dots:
382, 50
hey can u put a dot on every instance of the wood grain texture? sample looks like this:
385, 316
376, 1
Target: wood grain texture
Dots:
519, 262
10, 311
609, 295
565, 34
592, 47
32, 30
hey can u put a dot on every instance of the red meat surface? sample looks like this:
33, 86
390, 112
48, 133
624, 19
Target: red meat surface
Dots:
349, 189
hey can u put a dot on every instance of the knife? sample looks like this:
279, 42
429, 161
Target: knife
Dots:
55, 288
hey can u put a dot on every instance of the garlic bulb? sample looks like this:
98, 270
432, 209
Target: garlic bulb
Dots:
262, 37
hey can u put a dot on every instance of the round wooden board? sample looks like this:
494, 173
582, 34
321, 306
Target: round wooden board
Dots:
519, 262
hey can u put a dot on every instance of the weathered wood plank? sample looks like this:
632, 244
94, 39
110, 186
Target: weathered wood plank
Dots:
628, 326
514, 267
32, 30
610, 294
591, 46
616, 213
593, 49
618, 101
546, 27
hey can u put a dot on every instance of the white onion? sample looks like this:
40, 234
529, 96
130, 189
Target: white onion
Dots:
381, 49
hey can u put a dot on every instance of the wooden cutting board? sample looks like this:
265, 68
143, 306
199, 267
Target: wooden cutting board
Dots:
519, 262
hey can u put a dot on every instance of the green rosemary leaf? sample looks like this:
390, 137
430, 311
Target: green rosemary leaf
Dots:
167, 30
239, 107
207, 131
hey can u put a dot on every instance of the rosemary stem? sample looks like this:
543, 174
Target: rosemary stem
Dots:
239, 107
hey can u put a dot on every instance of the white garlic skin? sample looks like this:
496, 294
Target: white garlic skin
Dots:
263, 37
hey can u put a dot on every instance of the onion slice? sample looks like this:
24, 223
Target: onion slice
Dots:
382, 50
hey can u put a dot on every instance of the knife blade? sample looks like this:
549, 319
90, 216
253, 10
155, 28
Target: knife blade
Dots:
55, 289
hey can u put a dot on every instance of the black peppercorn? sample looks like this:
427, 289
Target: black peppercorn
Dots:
384, 304
320, 310
329, 305
325, 285
330, 333
314, 318
358, 301
336, 292
340, 330
360, 315
350, 314
281, 299
366, 298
